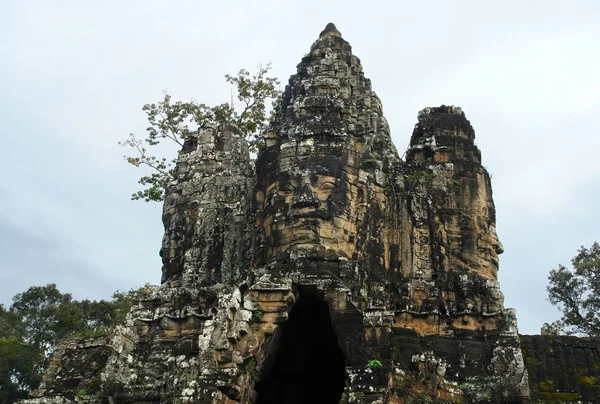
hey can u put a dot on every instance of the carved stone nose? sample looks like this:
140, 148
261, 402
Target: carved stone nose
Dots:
305, 198
499, 248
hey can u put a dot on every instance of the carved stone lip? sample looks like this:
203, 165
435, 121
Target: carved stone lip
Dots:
309, 214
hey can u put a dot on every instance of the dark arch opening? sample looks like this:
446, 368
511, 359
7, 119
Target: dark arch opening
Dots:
309, 363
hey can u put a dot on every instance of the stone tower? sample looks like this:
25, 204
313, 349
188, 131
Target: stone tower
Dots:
334, 272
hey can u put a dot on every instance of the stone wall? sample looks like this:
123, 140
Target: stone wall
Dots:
75, 371
562, 368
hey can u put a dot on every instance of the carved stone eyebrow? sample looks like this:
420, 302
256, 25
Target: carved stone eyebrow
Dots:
327, 183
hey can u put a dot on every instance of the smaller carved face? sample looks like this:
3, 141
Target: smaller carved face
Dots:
495, 249
479, 243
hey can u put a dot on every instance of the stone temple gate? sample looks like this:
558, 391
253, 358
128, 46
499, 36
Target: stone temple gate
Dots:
332, 271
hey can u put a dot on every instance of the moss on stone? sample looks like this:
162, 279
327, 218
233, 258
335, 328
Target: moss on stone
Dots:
548, 385
589, 381
559, 396
533, 361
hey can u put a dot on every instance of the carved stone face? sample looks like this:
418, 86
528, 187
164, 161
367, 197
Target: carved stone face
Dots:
310, 207
297, 206
494, 249
487, 248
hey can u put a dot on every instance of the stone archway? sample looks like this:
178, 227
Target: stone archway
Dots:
309, 363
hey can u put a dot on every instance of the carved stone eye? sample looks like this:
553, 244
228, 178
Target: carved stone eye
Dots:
327, 186
286, 188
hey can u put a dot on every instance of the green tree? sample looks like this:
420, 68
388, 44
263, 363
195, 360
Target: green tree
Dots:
21, 361
17, 360
176, 121
576, 292
18, 371
43, 315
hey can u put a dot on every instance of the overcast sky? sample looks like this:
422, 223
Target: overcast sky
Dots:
74, 76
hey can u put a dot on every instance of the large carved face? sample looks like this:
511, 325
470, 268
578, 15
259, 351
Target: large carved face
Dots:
309, 206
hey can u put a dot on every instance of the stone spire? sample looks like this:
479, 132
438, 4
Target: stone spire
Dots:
443, 134
329, 129
330, 96
205, 242
443, 141
330, 29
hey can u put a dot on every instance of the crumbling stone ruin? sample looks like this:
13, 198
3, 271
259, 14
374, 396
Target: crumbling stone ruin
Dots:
335, 271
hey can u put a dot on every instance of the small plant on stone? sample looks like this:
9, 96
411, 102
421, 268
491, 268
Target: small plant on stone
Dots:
422, 399
82, 393
258, 314
249, 365
373, 363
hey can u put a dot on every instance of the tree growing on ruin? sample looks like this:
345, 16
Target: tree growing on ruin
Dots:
175, 121
576, 292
